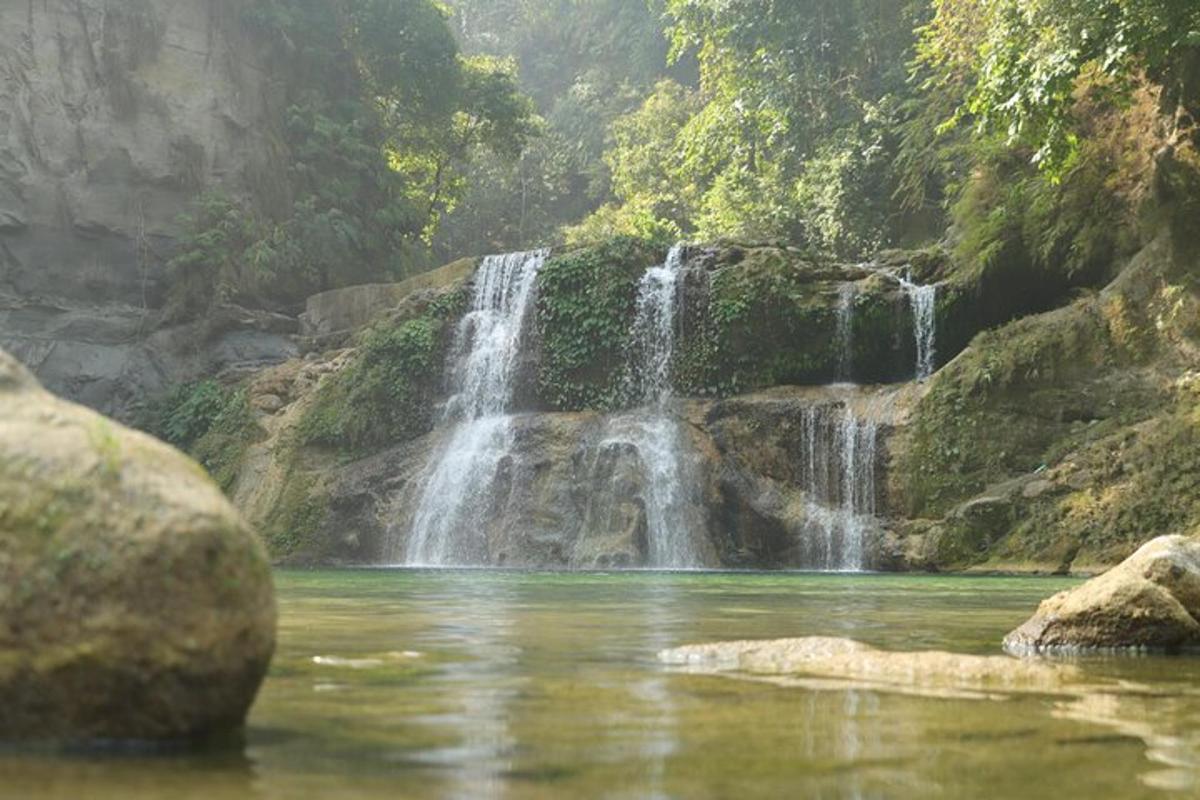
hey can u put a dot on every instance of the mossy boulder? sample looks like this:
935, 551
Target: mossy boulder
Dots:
586, 304
1062, 441
135, 604
1150, 601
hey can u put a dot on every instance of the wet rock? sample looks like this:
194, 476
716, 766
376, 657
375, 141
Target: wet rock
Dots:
330, 317
1150, 601
134, 601
846, 659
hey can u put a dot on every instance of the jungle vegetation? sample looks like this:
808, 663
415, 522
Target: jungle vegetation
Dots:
1030, 130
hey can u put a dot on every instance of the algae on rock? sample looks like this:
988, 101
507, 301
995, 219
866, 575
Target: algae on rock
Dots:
135, 603
1063, 440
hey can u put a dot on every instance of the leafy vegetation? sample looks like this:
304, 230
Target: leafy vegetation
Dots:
785, 137
586, 301
386, 392
383, 119
211, 422
585, 64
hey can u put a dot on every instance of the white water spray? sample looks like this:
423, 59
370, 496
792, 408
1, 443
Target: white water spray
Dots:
923, 300
847, 294
655, 434
839, 456
448, 528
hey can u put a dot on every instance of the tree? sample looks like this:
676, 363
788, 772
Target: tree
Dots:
383, 119
1019, 63
789, 133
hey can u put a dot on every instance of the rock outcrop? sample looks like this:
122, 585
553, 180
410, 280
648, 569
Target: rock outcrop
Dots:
1151, 601
1058, 442
135, 603
114, 116
1063, 441
573, 492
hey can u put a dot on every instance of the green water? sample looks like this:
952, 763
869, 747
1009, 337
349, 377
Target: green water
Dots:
394, 684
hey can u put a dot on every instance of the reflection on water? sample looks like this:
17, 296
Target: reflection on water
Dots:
482, 621
489, 684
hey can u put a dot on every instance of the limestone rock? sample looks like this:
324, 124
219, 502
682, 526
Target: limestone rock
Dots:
845, 659
134, 601
1150, 601
332, 316
116, 115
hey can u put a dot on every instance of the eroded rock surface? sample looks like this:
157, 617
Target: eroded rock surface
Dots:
114, 116
1149, 601
846, 659
135, 603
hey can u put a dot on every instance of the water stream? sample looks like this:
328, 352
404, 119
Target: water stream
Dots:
839, 451
923, 300
653, 430
847, 294
448, 525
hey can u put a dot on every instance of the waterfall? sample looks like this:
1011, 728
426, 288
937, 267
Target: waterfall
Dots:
653, 343
923, 300
451, 514
839, 451
652, 430
847, 294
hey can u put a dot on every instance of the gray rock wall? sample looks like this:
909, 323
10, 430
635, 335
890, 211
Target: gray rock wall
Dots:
114, 115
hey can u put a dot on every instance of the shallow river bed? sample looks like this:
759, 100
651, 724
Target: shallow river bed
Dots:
419, 684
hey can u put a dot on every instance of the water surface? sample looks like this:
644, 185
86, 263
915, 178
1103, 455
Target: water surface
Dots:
426, 684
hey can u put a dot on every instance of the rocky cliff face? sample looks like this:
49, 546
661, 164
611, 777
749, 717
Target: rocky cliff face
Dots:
1060, 441
114, 115
575, 490
775, 477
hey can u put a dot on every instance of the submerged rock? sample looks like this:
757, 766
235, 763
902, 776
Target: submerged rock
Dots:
846, 659
1150, 601
134, 601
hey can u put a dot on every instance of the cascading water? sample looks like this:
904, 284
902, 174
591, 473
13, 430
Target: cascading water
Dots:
923, 300
839, 468
652, 430
847, 294
457, 493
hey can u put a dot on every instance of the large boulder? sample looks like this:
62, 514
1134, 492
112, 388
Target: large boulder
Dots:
1150, 601
134, 601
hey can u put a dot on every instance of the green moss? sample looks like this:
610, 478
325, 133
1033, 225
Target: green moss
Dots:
1000, 408
108, 448
771, 319
384, 395
211, 422
586, 304
293, 530
1139, 483
223, 447
1091, 407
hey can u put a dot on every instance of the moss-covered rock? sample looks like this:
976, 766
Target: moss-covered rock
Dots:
751, 317
386, 391
585, 309
1076, 432
135, 603
773, 316
212, 422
